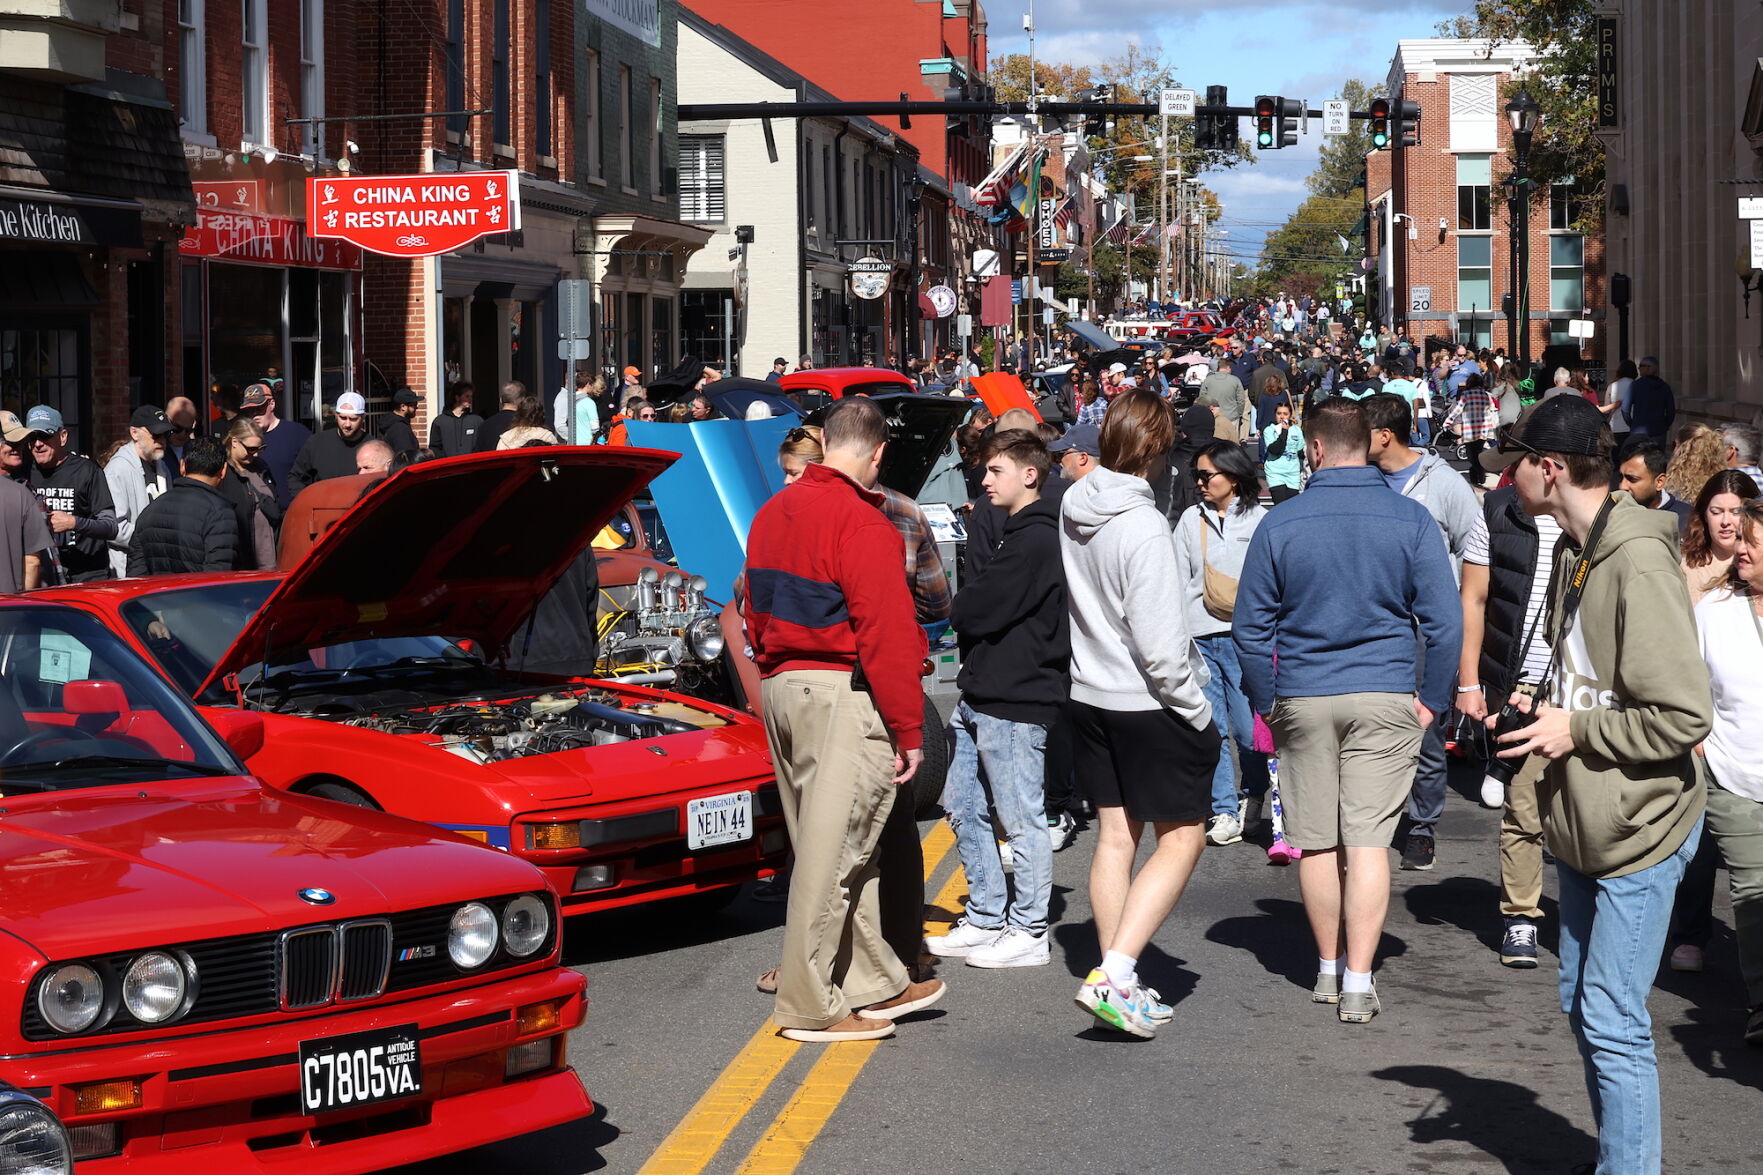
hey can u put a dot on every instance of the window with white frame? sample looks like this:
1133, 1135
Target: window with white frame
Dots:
1475, 274
193, 65
1567, 272
591, 136
627, 128
542, 98
455, 80
254, 72
657, 139
702, 195
1474, 193
312, 76
501, 78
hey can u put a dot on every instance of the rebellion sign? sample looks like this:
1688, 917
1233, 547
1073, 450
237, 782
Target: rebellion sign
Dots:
413, 215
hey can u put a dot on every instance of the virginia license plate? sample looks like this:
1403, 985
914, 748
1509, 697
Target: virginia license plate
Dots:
719, 820
341, 1072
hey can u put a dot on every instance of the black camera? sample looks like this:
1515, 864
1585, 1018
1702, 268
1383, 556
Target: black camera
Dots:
1509, 720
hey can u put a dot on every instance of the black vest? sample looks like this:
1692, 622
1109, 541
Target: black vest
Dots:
1513, 546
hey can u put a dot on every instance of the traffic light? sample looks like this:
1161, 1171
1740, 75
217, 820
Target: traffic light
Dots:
1224, 126
1408, 124
1096, 125
1266, 113
1289, 109
1380, 123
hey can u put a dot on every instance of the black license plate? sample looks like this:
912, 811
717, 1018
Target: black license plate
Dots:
341, 1072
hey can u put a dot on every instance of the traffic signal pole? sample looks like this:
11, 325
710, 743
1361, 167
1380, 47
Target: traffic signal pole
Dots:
896, 109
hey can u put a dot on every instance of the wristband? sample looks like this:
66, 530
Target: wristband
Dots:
1468, 689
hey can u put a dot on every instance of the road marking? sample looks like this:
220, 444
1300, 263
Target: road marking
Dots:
786, 1141
691, 1145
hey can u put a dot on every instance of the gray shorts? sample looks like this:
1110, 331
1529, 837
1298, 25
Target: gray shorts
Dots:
1346, 765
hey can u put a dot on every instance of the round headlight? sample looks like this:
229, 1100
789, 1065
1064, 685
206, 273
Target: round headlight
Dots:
526, 923
32, 1140
705, 638
471, 938
71, 997
154, 986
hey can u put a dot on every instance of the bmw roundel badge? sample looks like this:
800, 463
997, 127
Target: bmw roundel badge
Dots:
318, 897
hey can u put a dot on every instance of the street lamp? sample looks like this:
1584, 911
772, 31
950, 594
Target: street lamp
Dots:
1524, 113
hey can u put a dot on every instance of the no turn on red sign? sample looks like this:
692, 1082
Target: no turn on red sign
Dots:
413, 215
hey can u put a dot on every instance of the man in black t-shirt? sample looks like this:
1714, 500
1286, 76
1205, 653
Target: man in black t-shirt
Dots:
72, 488
395, 429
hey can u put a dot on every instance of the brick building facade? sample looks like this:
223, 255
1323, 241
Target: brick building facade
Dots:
1440, 241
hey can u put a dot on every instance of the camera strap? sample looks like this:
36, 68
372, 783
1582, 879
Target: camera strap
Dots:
1575, 589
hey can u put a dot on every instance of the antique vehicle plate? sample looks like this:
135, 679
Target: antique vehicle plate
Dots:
341, 1072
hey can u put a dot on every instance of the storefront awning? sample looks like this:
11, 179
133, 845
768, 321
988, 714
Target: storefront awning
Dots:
39, 217
45, 280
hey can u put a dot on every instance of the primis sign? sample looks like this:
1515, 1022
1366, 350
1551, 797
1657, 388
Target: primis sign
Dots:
413, 215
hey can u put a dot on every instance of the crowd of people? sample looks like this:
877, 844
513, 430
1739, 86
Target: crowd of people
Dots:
1242, 592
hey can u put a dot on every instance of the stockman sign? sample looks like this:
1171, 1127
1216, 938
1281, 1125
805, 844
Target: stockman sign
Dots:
413, 215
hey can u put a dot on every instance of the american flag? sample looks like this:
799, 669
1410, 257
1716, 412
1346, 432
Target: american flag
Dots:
1145, 234
995, 188
1067, 212
1117, 234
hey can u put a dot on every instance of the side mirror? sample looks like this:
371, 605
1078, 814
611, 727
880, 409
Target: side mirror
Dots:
241, 729
93, 698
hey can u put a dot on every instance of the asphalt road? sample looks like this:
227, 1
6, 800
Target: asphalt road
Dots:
1470, 1068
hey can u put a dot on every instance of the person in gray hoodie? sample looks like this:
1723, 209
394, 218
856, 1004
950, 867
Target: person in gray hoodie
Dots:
136, 477
1145, 743
1428, 479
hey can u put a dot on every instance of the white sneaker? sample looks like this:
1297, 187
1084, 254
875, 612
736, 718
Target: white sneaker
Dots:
1224, 829
1493, 793
1013, 948
962, 940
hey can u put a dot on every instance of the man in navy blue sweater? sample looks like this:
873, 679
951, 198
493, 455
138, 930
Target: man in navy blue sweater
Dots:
1335, 585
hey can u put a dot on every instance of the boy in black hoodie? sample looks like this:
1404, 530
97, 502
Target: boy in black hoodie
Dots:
1015, 644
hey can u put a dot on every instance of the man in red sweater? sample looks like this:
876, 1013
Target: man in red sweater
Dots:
831, 624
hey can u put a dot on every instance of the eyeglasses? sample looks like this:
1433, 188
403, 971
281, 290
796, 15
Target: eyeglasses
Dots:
646, 416
251, 449
1205, 476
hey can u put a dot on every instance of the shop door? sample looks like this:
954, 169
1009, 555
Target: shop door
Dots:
46, 359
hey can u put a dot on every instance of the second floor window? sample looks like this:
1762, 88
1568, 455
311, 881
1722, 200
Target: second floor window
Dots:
311, 76
627, 129
193, 65
501, 82
254, 73
702, 195
455, 98
542, 81
1474, 188
656, 138
590, 144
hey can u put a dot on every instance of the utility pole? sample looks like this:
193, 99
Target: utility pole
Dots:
1162, 206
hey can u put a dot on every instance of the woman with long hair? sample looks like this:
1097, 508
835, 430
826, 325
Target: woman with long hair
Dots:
529, 424
1475, 417
1729, 624
1700, 454
1714, 534
248, 484
1211, 538
1145, 742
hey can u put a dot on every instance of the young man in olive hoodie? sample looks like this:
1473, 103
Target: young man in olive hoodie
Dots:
1620, 807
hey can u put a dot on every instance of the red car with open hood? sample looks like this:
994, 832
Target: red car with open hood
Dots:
378, 669
198, 972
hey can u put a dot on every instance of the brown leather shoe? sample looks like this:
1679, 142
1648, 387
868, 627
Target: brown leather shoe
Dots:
852, 1027
916, 997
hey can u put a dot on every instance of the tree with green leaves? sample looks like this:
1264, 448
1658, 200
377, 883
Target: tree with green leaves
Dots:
1563, 80
1341, 166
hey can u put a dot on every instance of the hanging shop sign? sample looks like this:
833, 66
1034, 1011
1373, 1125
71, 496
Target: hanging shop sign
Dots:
264, 240
942, 299
413, 215
870, 277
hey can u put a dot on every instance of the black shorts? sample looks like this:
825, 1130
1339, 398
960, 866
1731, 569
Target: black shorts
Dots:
1149, 762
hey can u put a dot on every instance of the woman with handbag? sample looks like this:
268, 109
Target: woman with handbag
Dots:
1211, 539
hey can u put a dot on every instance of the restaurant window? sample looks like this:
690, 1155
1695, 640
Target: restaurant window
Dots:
456, 67
501, 80
627, 129
542, 80
42, 362
701, 190
707, 325
312, 76
247, 335
591, 139
1474, 187
611, 330
1474, 274
254, 72
193, 65
1567, 272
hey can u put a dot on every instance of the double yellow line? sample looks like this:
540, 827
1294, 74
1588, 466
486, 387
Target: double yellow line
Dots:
690, 1147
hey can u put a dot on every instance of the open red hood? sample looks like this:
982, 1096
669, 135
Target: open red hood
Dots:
463, 547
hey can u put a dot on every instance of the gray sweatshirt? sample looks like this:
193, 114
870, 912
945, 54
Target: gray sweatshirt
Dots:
1129, 649
1450, 501
1224, 551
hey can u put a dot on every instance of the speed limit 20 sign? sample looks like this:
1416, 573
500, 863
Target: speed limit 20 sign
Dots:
1420, 299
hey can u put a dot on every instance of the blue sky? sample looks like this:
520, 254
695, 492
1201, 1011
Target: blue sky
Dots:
1297, 48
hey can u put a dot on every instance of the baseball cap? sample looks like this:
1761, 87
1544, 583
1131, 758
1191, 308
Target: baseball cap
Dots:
43, 418
1565, 424
351, 404
256, 396
405, 396
1080, 438
12, 429
152, 419
633, 371
1117, 369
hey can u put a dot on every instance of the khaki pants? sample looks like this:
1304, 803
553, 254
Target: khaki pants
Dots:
1736, 823
1521, 833
1346, 767
834, 774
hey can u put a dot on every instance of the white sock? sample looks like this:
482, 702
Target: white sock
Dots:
1330, 966
1122, 970
1356, 981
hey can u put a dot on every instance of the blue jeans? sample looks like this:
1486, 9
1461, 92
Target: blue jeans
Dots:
1426, 799
1235, 720
1612, 934
1422, 432
998, 767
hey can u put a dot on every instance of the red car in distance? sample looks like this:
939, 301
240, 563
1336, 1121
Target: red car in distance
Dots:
820, 386
200, 973
376, 668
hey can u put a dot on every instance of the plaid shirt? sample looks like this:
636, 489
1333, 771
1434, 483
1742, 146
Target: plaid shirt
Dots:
1092, 413
924, 568
1475, 416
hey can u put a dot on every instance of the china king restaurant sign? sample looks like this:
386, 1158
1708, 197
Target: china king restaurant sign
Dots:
413, 215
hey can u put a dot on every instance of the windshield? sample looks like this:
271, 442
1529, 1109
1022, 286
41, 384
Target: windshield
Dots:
187, 631
78, 708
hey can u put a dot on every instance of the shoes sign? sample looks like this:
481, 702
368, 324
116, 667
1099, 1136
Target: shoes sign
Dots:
413, 215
